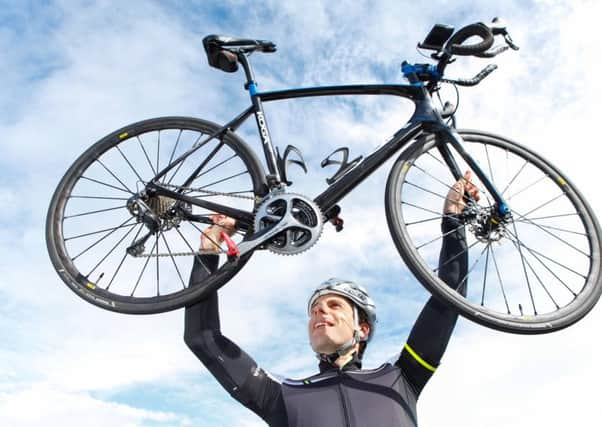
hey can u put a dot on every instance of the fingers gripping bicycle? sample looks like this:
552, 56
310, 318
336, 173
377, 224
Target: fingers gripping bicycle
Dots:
125, 219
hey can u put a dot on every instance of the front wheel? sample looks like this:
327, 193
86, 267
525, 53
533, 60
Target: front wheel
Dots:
124, 248
535, 272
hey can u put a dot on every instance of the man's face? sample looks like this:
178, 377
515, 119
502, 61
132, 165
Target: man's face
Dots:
330, 323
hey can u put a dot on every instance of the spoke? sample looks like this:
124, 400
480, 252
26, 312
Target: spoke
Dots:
213, 167
110, 252
533, 251
499, 278
489, 164
207, 236
438, 180
531, 222
125, 187
101, 239
553, 235
470, 269
181, 162
96, 232
424, 220
534, 255
128, 162
196, 255
157, 256
172, 153
515, 176
554, 216
158, 151
527, 187
204, 163
485, 273
125, 254
420, 207
424, 189
225, 179
105, 184
142, 271
173, 260
538, 278
440, 237
146, 155
522, 258
439, 267
542, 205
93, 212
98, 197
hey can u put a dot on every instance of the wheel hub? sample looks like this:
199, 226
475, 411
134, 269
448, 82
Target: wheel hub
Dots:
301, 211
485, 224
157, 212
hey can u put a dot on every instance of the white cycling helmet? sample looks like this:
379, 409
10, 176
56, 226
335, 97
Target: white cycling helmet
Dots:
354, 292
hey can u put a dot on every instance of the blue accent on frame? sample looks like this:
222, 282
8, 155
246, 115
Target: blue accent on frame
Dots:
253, 89
503, 209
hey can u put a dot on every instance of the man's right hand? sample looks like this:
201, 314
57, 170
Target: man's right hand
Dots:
211, 238
455, 200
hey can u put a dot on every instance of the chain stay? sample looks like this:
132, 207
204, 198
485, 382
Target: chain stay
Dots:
199, 190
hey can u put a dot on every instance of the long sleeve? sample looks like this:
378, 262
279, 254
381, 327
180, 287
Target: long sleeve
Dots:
430, 334
234, 369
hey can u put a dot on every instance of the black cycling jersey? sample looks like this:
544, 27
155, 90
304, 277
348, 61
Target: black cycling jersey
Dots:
347, 396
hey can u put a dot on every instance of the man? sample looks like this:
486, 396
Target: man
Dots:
342, 320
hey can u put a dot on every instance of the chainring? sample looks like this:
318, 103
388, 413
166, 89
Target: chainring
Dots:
297, 238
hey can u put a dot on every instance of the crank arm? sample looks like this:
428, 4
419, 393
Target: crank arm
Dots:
266, 234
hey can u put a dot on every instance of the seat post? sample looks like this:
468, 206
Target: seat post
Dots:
246, 65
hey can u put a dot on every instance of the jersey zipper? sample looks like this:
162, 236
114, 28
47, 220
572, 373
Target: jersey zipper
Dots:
342, 395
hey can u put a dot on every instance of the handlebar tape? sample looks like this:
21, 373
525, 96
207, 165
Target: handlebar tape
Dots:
455, 46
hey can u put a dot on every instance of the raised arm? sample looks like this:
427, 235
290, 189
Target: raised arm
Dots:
430, 334
234, 369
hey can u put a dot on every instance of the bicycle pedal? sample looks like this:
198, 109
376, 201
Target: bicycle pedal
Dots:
338, 222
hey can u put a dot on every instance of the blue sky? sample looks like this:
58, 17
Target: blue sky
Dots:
74, 71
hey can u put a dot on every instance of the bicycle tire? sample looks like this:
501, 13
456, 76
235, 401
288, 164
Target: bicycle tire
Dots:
127, 155
571, 268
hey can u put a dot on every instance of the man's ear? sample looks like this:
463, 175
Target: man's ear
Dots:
364, 330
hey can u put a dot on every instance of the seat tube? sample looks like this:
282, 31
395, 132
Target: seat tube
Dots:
262, 124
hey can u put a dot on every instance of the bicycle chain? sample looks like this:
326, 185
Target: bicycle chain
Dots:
215, 193
200, 190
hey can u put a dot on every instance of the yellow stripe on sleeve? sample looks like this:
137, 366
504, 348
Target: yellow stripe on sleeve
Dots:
419, 359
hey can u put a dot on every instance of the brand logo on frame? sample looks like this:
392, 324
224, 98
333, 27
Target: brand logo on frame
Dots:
263, 128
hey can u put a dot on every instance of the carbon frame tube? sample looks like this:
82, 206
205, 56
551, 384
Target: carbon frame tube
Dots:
455, 140
355, 176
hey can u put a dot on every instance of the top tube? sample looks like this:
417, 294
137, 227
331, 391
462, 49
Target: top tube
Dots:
415, 93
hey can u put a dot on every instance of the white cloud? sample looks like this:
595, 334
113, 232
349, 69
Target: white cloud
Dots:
113, 64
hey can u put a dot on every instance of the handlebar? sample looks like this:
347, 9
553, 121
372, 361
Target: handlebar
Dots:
448, 45
475, 80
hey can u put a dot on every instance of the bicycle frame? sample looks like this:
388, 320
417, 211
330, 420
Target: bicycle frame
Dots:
425, 120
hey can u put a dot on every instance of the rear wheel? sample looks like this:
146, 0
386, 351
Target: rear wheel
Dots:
537, 271
101, 208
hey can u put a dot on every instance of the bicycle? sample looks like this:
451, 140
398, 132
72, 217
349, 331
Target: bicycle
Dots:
534, 236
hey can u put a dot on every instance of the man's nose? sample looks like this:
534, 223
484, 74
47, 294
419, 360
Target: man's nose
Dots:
319, 308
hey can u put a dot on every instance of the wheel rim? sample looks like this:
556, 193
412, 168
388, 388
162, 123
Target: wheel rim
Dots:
543, 271
93, 226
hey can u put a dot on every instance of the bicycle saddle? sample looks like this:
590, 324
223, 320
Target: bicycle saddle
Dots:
222, 50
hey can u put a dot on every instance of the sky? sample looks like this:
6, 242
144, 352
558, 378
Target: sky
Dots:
73, 71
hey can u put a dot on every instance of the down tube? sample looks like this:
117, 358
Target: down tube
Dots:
353, 178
